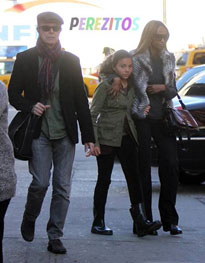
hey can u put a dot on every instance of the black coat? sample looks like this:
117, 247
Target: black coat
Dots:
73, 99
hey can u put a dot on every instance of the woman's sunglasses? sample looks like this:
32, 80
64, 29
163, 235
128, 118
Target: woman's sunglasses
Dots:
159, 37
48, 28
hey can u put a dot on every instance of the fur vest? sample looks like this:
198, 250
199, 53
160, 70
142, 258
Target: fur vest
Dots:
141, 71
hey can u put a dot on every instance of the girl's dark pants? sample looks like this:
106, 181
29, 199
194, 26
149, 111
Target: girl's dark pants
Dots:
3, 208
128, 156
168, 168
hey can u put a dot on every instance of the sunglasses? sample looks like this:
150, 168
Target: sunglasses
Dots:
159, 37
48, 28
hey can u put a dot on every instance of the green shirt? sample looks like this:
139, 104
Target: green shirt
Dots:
53, 125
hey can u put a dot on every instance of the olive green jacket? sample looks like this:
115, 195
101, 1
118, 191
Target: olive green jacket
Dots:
108, 115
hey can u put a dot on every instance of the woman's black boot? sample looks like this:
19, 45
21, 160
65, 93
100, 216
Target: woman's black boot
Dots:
98, 226
142, 226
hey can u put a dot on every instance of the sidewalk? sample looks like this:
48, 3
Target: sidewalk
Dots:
123, 246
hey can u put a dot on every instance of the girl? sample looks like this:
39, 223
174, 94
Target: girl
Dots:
115, 135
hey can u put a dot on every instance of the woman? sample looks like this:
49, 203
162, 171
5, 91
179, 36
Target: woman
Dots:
154, 78
115, 134
7, 174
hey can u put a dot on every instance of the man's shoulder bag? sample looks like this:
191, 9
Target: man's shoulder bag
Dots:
21, 131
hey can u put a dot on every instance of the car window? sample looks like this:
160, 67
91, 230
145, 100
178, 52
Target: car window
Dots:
197, 80
199, 58
188, 75
182, 60
196, 90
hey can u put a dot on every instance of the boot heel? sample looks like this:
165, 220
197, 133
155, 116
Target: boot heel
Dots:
139, 233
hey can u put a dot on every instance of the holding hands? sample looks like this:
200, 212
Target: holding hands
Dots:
92, 150
89, 149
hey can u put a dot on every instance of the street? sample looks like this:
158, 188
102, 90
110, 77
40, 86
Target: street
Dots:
123, 246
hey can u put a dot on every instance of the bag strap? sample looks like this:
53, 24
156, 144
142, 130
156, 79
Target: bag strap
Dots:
181, 143
181, 102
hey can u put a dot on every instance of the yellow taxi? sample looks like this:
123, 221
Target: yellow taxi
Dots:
91, 83
6, 66
189, 59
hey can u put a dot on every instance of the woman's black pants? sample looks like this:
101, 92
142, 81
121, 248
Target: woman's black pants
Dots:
127, 155
3, 208
168, 168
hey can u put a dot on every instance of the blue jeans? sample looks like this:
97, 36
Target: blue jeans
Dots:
58, 154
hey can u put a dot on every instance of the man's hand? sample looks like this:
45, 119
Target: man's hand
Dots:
89, 149
155, 88
39, 108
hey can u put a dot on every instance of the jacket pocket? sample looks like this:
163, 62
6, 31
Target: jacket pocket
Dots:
106, 132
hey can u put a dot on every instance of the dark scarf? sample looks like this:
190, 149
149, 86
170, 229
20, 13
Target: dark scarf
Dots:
47, 71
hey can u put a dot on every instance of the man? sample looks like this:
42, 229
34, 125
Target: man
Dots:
53, 89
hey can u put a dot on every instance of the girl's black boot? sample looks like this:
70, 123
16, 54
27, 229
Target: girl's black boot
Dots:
98, 226
142, 226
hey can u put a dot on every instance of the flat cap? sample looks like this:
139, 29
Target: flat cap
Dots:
49, 17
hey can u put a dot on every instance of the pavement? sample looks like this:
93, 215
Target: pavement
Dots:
123, 247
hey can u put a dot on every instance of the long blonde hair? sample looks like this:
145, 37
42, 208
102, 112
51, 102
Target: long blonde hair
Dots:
147, 36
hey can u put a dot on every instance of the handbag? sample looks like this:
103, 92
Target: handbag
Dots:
180, 121
21, 131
